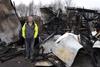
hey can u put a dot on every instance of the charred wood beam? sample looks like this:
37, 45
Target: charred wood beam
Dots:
48, 11
11, 56
83, 10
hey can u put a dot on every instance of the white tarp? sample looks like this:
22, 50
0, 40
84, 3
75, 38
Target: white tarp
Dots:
97, 44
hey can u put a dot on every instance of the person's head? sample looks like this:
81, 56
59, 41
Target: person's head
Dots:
30, 19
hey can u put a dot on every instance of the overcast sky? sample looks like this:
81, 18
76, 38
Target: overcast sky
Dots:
88, 3
78, 3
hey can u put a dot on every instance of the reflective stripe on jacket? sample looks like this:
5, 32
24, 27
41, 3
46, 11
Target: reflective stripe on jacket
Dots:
24, 31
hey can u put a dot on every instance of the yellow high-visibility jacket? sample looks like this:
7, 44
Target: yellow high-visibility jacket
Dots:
24, 31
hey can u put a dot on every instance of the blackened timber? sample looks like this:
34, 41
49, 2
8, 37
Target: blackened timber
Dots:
83, 10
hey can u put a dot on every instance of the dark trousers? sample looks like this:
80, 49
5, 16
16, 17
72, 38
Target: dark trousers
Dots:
29, 45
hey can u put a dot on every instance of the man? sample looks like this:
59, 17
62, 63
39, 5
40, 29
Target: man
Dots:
29, 33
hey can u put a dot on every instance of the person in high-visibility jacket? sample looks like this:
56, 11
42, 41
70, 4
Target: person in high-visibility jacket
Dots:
29, 33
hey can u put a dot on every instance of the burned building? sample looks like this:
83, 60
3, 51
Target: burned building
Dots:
9, 22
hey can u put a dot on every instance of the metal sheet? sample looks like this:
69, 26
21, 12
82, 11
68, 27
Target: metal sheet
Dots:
66, 49
50, 44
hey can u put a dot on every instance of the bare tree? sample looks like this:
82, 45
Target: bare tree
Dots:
68, 3
22, 10
57, 5
31, 7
